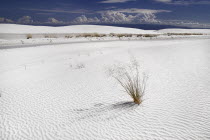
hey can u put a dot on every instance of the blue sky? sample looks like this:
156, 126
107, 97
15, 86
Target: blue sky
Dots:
192, 13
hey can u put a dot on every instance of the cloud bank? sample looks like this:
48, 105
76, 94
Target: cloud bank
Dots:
122, 16
54, 21
117, 16
5, 20
25, 20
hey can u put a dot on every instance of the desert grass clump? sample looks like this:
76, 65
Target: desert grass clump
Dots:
132, 81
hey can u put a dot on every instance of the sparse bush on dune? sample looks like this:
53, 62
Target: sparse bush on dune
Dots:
50, 36
112, 34
29, 36
103, 35
123, 35
139, 35
80, 66
96, 35
131, 80
22, 41
184, 34
128, 35
78, 35
68, 36
120, 35
131, 35
86, 35
91, 35
149, 35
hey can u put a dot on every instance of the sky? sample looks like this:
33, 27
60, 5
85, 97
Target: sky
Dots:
189, 13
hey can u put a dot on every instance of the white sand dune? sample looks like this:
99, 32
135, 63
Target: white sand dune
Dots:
13, 35
18, 32
64, 91
45, 95
15, 28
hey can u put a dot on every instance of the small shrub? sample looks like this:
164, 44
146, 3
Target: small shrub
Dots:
90, 35
50, 36
112, 34
78, 35
139, 35
86, 35
96, 35
120, 35
68, 36
128, 35
102, 35
80, 66
132, 81
46, 36
29, 36
22, 41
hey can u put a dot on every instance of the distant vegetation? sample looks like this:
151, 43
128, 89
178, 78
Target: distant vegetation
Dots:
50, 36
132, 35
98, 35
150, 35
90, 35
116, 35
68, 36
29, 36
183, 34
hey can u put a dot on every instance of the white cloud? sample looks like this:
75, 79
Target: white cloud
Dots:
84, 19
115, 17
115, 1
53, 21
149, 18
122, 16
9, 20
25, 20
5, 20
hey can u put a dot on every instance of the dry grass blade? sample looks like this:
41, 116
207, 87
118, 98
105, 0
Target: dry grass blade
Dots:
133, 84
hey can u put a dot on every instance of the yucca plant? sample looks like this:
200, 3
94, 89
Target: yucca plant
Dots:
133, 82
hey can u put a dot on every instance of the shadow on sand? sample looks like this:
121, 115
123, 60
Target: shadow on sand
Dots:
104, 112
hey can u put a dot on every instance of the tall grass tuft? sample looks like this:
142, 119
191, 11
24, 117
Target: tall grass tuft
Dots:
133, 82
